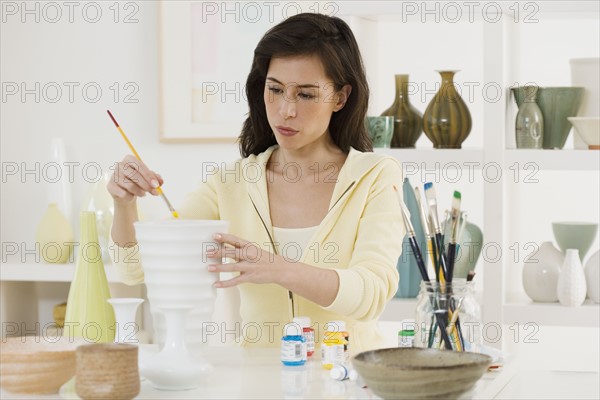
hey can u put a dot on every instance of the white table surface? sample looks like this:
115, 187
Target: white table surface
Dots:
258, 373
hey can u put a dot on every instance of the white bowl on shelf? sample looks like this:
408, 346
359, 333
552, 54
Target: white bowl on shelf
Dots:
588, 129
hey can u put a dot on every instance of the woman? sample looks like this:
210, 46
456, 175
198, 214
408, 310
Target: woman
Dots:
315, 225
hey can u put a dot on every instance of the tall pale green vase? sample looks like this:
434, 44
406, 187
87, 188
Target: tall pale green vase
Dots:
88, 314
410, 277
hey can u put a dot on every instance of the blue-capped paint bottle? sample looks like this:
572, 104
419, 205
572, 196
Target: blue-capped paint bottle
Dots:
293, 345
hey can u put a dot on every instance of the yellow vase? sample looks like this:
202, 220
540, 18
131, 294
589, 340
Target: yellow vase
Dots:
89, 315
54, 236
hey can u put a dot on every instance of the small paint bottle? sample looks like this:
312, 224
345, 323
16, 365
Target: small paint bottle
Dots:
334, 348
293, 345
308, 333
339, 372
343, 372
406, 336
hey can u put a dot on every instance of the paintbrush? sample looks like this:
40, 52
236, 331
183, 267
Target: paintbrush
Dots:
433, 215
425, 223
135, 153
410, 232
454, 220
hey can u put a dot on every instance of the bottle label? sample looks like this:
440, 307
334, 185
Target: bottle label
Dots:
292, 350
309, 335
333, 354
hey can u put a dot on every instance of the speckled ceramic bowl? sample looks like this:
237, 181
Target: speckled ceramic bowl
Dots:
37, 364
417, 373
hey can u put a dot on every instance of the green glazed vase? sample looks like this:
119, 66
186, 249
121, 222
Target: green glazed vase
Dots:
557, 105
447, 120
88, 314
408, 121
468, 248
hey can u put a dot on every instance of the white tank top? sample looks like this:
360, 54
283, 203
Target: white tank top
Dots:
293, 242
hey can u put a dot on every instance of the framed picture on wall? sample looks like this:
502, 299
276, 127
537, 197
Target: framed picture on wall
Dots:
206, 51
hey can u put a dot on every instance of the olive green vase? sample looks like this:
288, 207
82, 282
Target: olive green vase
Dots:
447, 120
408, 121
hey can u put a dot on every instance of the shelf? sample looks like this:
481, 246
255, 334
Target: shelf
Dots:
436, 158
552, 160
44, 272
587, 315
398, 309
583, 160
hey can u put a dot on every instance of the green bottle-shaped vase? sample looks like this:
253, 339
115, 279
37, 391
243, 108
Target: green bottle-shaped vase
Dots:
408, 121
447, 120
88, 314
529, 125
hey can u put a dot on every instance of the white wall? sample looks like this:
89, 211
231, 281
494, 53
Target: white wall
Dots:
100, 53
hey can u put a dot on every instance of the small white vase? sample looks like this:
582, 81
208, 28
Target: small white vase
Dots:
540, 273
592, 277
571, 287
125, 310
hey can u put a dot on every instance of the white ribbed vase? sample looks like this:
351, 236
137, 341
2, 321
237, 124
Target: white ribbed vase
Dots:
571, 288
175, 270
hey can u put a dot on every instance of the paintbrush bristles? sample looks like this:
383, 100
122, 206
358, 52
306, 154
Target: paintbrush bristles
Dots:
422, 213
432, 202
455, 216
405, 214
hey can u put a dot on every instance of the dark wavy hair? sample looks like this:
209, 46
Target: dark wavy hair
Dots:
329, 38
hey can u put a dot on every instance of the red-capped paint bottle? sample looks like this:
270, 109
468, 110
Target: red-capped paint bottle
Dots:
308, 333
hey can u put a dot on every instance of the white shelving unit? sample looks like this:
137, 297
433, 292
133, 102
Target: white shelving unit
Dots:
30, 290
504, 61
45, 272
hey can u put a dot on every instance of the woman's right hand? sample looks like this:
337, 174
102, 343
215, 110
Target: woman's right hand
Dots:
131, 179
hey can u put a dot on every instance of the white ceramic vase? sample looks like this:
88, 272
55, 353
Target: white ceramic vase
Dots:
592, 277
540, 273
125, 310
175, 273
571, 288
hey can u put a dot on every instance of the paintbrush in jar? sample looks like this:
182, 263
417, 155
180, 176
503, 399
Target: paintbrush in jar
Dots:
435, 221
426, 229
421, 265
454, 225
410, 232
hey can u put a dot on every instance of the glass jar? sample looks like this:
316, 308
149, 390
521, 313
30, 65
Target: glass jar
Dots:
437, 304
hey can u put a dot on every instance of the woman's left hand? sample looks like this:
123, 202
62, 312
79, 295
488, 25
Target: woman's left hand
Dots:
254, 264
